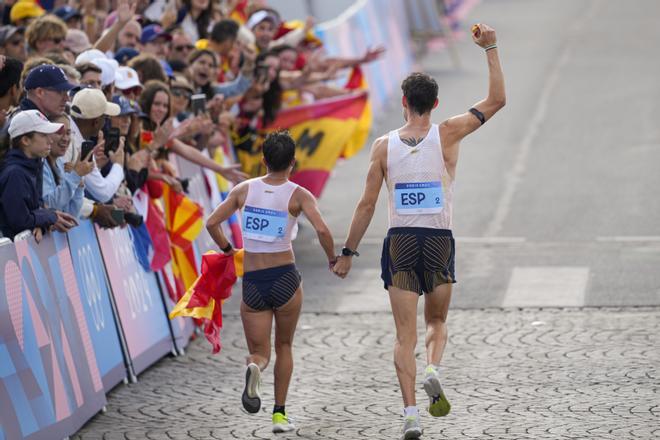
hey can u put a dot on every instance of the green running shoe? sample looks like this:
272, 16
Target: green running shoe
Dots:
411, 428
438, 404
251, 397
281, 423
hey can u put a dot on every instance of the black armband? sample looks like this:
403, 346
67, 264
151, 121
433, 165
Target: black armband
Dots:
478, 115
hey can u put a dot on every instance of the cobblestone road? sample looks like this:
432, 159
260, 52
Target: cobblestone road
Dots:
510, 374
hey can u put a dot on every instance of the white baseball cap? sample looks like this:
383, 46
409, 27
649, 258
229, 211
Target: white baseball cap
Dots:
126, 78
108, 70
29, 121
89, 55
91, 104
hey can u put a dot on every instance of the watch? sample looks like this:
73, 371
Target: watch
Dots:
346, 252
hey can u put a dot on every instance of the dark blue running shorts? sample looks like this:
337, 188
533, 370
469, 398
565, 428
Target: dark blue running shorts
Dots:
418, 259
270, 288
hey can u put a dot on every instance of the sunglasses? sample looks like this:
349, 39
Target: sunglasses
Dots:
132, 91
181, 93
16, 42
55, 40
183, 48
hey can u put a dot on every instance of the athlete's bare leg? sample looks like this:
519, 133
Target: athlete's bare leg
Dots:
257, 325
436, 305
286, 319
404, 310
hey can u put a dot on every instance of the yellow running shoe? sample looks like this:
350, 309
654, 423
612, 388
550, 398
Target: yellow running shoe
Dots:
438, 404
281, 423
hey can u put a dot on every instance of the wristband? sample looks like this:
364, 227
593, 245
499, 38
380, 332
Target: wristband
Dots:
94, 209
226, 248
478, 115
492, 46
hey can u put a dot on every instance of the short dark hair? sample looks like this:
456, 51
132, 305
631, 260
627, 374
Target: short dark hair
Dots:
420, 91
279, 149
225, 29
10, 75
83, 68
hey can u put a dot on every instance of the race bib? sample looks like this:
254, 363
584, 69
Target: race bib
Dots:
264, 224
418, 198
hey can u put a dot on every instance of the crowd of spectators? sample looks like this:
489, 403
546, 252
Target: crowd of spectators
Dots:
97, 95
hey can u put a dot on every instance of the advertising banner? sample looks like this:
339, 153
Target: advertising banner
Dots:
140, 307
50, 384
93, 284
182, 327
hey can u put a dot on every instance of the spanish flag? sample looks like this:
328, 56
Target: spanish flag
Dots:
358, 81
205, 297
322, 131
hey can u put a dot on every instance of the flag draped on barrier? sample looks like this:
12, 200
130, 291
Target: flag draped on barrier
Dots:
322, 131
204, 298
183, 221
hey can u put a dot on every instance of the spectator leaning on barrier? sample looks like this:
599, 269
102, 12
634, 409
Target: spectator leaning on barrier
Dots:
89, 109
21, 207
63, 189
12, 42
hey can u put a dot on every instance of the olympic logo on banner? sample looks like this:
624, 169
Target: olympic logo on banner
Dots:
92, 286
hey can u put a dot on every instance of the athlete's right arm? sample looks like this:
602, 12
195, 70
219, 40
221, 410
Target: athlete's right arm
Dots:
365, 208
457, 127
224, 210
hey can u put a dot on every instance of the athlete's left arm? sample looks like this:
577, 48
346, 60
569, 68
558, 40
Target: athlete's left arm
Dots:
456, 128
310, 208
224, 210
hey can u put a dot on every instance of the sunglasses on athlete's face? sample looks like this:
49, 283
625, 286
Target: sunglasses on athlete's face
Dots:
181, 93
16, 42
184, 47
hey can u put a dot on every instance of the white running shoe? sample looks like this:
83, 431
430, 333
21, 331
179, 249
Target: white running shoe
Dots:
251, 396
411, 428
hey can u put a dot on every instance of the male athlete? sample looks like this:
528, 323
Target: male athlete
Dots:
418, 163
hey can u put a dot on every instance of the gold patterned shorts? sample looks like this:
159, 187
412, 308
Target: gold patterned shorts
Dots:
418, 259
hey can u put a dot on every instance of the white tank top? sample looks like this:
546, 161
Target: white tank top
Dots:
267, 225
419, 187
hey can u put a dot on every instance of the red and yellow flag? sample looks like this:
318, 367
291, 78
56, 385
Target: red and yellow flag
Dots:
321, 130
183, 218
358, 81
183, 221
205, 297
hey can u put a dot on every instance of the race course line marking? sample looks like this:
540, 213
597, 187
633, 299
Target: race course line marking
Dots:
547, 286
